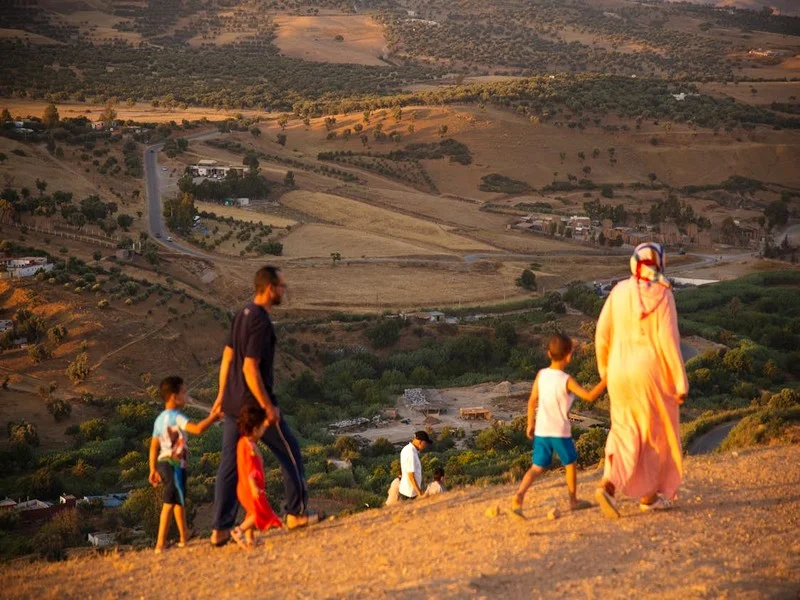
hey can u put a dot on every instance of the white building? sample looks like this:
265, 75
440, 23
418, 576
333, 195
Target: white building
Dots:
243, 201
23, 267
100, 539
5, 325
32, 505
210, 168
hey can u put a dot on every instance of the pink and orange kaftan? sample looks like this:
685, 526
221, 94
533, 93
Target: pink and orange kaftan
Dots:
638, 351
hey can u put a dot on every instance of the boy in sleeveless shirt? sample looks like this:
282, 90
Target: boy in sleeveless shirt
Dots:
548, 407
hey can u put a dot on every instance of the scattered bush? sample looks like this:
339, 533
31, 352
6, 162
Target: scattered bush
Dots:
59, 408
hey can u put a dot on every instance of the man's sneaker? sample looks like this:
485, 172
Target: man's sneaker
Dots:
661, 503
607, 503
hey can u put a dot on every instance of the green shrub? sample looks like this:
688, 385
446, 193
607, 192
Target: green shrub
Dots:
142, 509
58, 534
59, 408
591, 446
764, 427
22, 432
384, 334
94, 429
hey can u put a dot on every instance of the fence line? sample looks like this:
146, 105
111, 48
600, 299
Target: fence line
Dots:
67, 235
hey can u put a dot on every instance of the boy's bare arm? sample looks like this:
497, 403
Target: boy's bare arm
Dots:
154, 477
533, 400
589, 396
201, 426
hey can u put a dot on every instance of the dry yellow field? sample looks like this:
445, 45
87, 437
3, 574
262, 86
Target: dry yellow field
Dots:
359, 216
33, 38
313, 38
37, 164
398, 286
314, 241
100, 26
139, 112
766, 91
242, 214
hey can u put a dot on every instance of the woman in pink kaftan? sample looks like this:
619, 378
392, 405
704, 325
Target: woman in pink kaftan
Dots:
638, 353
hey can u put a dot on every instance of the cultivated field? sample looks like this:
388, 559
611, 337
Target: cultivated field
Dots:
766, 91
783, 7
243, 214
314, 38
363, 217
375, 287
319, 241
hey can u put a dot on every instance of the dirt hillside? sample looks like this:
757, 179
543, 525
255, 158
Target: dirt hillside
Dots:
734, 534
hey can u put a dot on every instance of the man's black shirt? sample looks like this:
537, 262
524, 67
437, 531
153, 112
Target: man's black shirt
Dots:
252, 336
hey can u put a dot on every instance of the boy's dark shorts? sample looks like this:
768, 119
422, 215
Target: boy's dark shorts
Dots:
174, 481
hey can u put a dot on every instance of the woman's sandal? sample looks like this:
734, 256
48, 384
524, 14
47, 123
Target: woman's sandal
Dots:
607, 503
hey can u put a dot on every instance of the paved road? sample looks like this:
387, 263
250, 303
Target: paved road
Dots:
711, 440
155, 219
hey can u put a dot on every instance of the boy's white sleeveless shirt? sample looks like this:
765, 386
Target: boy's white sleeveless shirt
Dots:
552, 412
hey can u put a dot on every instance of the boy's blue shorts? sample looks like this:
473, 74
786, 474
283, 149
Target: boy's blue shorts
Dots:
543, 448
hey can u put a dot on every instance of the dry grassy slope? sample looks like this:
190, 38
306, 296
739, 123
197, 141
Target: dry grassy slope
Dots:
733, 535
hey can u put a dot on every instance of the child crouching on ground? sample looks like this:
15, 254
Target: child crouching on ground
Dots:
548, 405
250, 468
168, 456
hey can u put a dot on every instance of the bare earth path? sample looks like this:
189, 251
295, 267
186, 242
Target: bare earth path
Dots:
734, 534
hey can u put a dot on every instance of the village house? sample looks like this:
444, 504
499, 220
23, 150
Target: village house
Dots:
67, 500
23, 267
211, 168
7, 504
6, 325
37, 510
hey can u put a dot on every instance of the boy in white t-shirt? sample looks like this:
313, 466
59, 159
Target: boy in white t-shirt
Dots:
548, 406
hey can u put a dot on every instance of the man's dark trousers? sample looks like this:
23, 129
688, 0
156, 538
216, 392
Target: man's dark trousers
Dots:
282, 443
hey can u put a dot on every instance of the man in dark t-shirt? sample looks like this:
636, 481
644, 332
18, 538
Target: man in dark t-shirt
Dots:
246, 378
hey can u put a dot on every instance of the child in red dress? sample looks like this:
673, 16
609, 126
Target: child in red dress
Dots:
250, 467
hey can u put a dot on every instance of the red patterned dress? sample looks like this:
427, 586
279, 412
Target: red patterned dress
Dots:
250, 464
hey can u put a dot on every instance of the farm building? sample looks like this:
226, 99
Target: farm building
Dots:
211, 168
475, 414
11, 268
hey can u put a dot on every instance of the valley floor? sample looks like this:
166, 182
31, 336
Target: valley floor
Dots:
733, 534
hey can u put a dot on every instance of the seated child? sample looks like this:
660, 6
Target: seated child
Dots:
437, 485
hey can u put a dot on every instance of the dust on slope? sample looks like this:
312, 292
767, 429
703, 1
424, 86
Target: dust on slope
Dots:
733, 533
